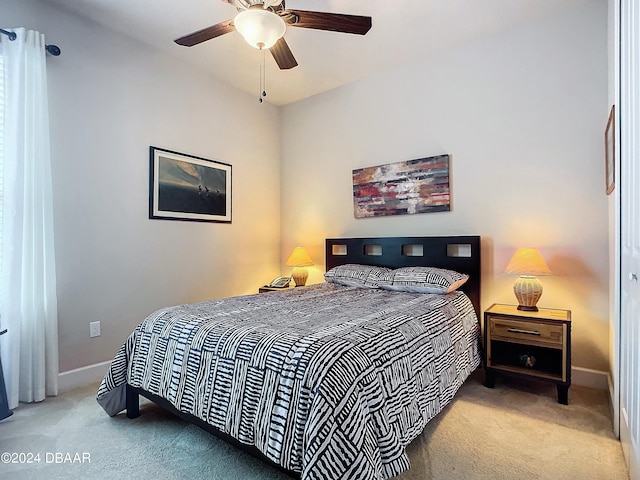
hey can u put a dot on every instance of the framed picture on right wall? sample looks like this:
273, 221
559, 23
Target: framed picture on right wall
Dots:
609, 151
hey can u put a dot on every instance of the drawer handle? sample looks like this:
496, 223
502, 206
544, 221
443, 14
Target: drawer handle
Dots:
527, 332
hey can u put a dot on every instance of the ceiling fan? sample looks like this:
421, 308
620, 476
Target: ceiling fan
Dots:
263, 23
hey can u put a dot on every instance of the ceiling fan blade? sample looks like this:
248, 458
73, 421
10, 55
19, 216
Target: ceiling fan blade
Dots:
282, 55
335, 22
206, 34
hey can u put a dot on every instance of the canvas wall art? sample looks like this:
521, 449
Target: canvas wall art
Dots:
186, 187
414, 186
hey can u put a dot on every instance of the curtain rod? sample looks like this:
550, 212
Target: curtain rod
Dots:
51, 49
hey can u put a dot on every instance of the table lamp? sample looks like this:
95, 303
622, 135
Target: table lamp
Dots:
528, 263
298, 259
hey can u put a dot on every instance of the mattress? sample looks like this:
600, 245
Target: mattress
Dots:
326, 380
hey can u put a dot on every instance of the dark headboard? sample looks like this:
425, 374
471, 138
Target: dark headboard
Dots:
459, 253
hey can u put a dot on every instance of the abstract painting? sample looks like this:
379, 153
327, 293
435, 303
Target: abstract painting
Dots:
186, 187
414, 186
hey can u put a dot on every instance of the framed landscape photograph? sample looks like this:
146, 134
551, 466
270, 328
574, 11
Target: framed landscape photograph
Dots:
186, 187
609, 151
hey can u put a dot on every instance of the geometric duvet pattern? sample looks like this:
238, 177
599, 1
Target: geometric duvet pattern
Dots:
327, 380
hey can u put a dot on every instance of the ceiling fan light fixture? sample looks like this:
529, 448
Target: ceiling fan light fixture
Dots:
260, 28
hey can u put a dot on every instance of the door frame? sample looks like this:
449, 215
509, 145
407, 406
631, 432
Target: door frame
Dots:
629, 447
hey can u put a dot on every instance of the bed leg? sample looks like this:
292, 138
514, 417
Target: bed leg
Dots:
489, 378
133, 403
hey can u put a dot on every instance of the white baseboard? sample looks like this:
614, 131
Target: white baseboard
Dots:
611, 390
586, 377
82, 376
614, 406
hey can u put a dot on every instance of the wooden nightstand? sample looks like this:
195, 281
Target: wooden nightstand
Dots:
536, 345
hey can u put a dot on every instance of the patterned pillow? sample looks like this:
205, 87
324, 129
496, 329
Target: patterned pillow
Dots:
354, 275
422, 280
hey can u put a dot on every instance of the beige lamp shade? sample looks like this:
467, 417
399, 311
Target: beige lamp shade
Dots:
528, 263
299, 258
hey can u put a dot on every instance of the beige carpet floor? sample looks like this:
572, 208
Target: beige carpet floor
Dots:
515, 431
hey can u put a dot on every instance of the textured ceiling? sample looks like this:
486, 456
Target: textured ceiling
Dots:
402, 30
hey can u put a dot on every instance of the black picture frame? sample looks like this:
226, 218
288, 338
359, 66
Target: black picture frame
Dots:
188, 187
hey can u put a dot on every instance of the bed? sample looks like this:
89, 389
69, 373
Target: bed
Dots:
326, 381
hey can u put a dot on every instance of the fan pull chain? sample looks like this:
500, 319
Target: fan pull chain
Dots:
263, 79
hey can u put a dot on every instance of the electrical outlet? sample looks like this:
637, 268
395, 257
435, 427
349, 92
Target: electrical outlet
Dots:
94, 329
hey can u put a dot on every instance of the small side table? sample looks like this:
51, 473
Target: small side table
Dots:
534, 345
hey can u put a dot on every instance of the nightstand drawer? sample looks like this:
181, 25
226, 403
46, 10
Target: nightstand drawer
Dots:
504, 328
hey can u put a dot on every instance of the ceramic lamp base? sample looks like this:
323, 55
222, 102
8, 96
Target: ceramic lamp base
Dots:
300, 276
528, 290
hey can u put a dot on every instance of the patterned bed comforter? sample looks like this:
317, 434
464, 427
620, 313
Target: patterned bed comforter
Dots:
325, 380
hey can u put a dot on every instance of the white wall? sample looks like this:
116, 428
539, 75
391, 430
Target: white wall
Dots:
522, 114
110, 99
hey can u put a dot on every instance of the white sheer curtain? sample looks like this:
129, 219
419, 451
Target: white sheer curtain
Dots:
28, 304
